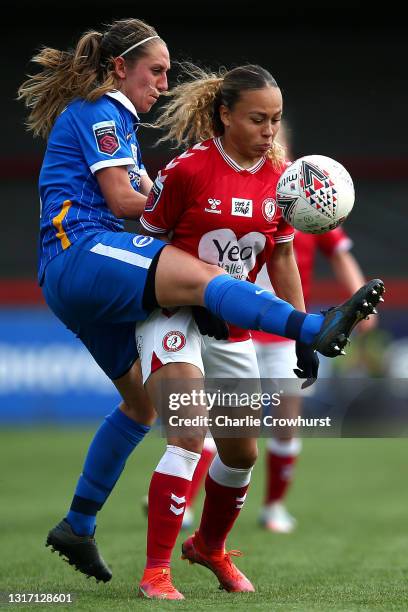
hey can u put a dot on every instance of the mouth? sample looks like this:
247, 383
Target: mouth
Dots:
264, 148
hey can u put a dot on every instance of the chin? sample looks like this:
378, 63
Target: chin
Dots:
146, 108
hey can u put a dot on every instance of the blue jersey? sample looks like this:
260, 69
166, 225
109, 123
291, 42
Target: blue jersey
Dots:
86, 137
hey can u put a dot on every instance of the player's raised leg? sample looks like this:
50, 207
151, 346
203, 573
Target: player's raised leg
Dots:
182, 279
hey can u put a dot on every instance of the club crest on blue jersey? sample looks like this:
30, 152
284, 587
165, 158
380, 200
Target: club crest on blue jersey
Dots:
106, 137
142, 241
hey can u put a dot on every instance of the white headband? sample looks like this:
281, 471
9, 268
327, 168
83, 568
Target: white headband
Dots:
141, 42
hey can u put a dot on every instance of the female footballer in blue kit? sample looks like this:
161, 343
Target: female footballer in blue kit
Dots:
98, 279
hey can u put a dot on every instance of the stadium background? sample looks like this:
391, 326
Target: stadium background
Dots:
342, 69
341, 76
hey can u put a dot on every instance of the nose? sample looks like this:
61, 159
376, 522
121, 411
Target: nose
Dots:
268, 130
162, 84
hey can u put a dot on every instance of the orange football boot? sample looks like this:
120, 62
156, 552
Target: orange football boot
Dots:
219, 562
156, 584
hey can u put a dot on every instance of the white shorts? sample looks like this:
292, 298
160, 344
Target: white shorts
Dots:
277, 360
173, 337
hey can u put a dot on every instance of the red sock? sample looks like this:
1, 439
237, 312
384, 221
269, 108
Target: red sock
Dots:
221, 508
200, 471
279, 475
167, 501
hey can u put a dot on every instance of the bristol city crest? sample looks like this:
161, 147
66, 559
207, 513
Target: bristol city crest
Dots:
269, 209
174, 341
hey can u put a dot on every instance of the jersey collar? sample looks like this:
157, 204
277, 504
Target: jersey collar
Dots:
120, 97
233, 164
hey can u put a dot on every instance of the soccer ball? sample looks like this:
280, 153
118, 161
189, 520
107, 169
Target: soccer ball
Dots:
315, 194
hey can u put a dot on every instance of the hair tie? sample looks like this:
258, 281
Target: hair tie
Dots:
141, 42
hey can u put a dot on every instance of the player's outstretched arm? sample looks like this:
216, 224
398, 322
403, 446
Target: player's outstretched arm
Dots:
284, 275
285, 279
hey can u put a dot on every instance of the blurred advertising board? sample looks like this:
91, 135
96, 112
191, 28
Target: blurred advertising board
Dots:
46, 374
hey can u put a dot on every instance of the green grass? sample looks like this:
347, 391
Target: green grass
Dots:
350, 551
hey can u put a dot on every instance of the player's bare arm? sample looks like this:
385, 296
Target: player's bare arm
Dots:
146, 184
284, 275
122, 199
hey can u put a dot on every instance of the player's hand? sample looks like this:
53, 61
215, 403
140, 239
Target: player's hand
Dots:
209, 324
307, 364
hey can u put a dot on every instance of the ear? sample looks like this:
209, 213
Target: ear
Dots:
120, 67
224, 115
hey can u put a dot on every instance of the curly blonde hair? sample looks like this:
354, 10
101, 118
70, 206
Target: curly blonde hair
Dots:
84, 72
192, 112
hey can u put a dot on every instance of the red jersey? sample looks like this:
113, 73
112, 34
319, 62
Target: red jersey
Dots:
306, 247
218, 211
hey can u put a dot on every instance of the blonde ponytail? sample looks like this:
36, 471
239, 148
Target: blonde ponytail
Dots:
85, 72
188, 117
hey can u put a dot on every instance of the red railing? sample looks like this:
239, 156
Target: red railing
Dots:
26, 292
24, 168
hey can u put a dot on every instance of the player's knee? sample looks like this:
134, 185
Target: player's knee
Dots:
193, 444
242, 458
182, 278
248, 458
139, 411
208, 272
203, 274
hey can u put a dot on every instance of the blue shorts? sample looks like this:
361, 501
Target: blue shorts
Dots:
96, 287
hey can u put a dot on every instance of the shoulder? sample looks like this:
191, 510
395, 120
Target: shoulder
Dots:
101, 109
191, 161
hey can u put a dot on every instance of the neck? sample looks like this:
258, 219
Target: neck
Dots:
237, 156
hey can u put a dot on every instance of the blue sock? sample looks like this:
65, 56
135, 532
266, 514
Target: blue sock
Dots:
113, 442
251, 307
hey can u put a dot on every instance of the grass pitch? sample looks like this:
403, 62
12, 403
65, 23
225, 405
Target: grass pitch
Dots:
350, 551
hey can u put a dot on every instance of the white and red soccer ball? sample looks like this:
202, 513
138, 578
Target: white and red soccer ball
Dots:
315, 194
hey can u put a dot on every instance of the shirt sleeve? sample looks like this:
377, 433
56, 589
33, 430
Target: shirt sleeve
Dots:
334, 241
102, 136
284, 231
166, 201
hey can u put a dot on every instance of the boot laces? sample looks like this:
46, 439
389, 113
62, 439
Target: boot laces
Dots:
232, 569
163, 579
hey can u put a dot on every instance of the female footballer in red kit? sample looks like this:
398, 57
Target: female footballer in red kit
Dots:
276, 358
217, 201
